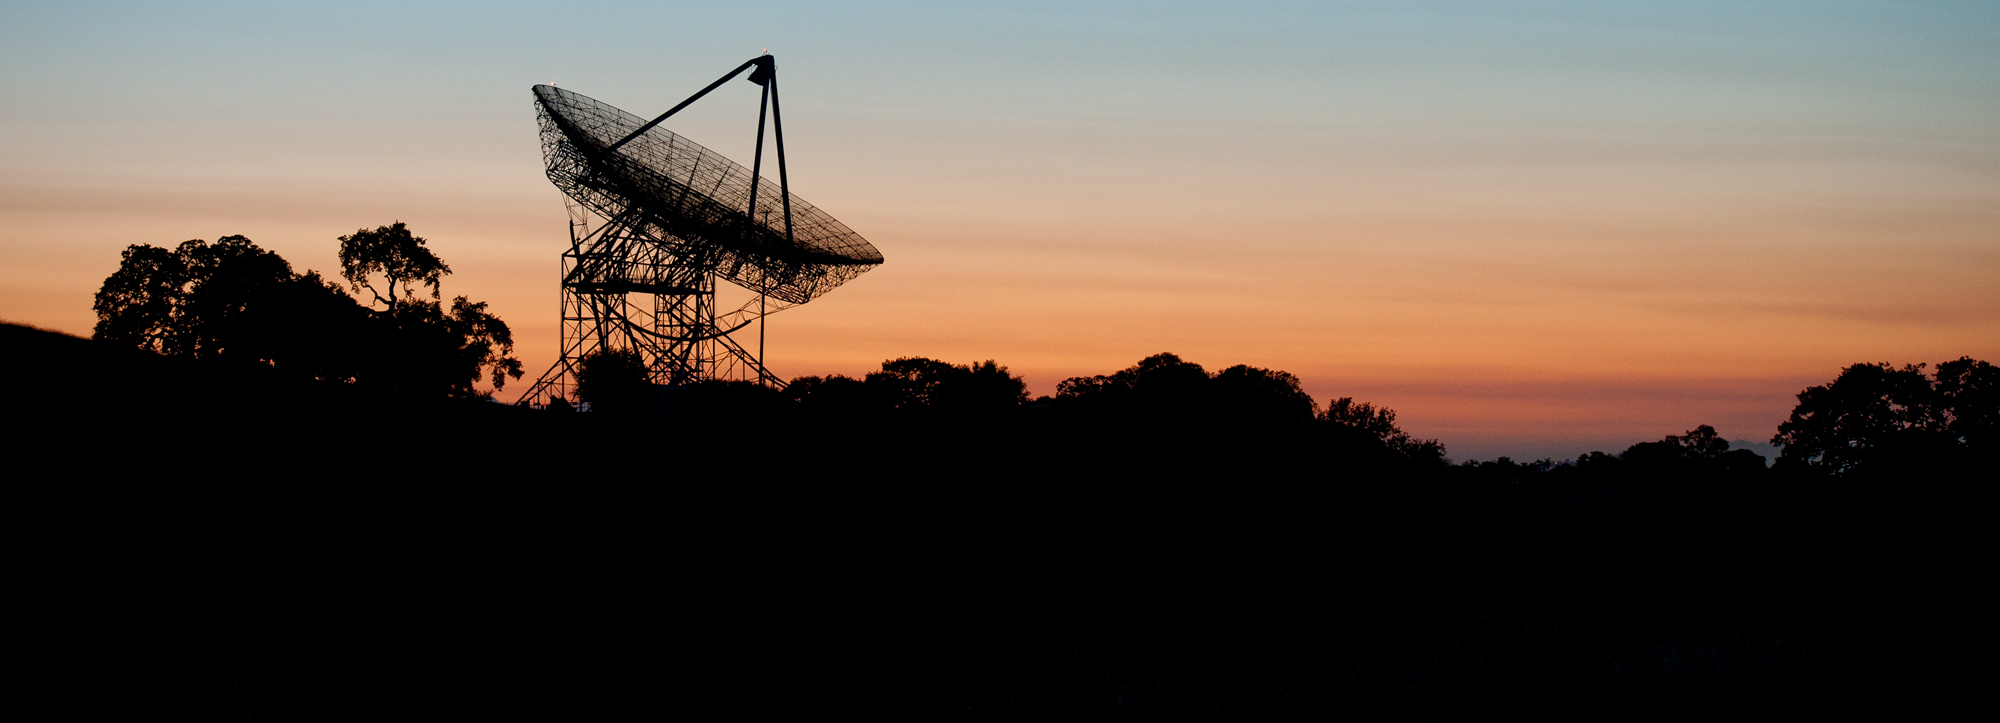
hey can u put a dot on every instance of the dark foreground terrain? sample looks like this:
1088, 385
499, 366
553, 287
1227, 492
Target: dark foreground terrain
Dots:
207, 543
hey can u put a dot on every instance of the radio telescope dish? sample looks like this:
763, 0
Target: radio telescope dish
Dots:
673, 217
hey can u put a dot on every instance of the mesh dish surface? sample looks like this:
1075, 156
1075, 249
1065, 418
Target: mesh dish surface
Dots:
696, 200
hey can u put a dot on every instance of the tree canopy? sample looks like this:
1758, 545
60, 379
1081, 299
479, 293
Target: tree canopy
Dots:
1878, 413
232, 300
1165, 389
614, 381
187, 301
1379, 423
910, 384
394, 254
226, 300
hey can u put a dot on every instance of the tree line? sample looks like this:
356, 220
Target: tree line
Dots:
230, 302
928, 534
1871, 416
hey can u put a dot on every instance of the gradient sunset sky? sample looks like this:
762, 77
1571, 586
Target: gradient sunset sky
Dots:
1532, 228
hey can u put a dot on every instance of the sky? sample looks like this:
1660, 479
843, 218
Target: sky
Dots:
1533, 229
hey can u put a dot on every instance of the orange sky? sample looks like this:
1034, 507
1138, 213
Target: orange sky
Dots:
1521, 254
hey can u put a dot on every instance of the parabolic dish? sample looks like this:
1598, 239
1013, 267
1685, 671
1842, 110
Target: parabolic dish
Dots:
695, 199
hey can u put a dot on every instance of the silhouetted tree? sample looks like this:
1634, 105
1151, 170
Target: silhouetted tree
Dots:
615, 381
434, 352
1164, 397
1968, 391
441, 353
980, 389
485, 344
1700, 443
396, 255
140, 304
1380, 424
833, 397
1162, 388
1698, 453
1246, 394
229, 300
308, 327
234, 301
1871, 411
186, 302
919, 385
908, 383
1363, 416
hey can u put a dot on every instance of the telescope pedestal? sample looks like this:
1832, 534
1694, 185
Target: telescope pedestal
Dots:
624, 288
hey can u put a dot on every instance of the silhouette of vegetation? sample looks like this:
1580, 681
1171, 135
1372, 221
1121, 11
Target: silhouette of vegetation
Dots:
1251, 395
395, 254
912, 389
909, 384
1968, 395
1380, 425
438, 352
1678, 462
1879, 415
830, 398
1160, 389
1153, 541
915, 384
736, 404
234, 302
615, 381
227, 300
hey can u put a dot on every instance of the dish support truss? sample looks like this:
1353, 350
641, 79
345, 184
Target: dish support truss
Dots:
622, 288
679, 336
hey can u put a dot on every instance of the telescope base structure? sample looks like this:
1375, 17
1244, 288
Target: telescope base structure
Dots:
624, 288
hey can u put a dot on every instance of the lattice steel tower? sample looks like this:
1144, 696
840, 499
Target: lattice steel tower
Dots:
673, 219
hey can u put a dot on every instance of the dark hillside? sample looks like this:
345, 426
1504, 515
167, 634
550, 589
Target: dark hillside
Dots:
206, 542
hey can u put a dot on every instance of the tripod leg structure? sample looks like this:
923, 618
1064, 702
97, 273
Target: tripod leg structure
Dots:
624, 288
608, 273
